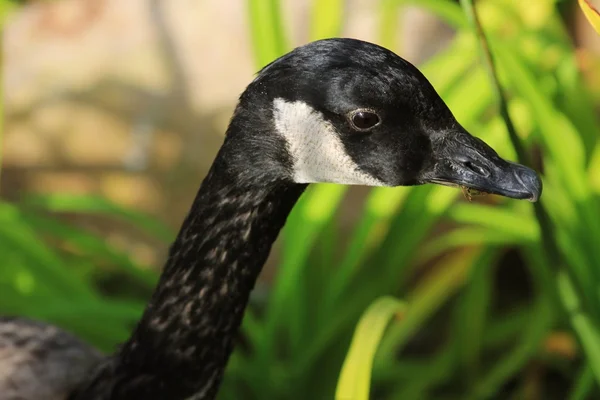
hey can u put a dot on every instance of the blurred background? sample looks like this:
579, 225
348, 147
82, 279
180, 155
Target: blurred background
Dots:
114, 110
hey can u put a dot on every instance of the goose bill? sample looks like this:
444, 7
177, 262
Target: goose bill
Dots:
465, 161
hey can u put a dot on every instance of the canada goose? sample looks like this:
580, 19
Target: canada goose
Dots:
336, 110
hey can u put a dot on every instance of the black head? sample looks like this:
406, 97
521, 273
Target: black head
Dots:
351, 112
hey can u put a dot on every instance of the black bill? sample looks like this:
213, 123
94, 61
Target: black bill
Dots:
464, 160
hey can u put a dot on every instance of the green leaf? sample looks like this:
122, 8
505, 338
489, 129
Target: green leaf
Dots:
473, 313
466, 237
448, 11
583, 384
327, 19
498, 219
389, 21
92, 247
268, 38
426, 299
586, 327
591, 13
355, 377
510, 364
97, 205
44, 264
315, 210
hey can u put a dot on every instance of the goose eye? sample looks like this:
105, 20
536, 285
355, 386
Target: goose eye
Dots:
364, 120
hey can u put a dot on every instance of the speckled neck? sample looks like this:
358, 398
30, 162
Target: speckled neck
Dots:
183, 341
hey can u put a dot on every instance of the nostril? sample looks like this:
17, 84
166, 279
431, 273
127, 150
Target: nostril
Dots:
476, 168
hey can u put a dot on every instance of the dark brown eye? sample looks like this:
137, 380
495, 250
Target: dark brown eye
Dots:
364, 120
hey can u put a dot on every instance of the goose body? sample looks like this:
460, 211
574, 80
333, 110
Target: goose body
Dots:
336, 110
41, 361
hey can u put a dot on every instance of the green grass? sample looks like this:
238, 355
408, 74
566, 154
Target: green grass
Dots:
328, 327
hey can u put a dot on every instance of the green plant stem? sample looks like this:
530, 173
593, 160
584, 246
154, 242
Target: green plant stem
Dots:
583, 384
586, 331
490, 67
547, 229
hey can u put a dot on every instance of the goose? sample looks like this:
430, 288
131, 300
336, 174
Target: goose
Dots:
336, 110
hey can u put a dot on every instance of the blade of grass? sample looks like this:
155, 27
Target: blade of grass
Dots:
442, 367
504, 328
327, 19
70, 203
106, 322
437, 370
426, 299
584, 326
464, 237
266, 27
93, 247
308, 218
472, 315
502, 221
389, 13
583, 384
497, 219
380, 207
576, 101
509, 365
307, 221
408, 368
324, 338
355, 378
446, 69
44, 264
446, 10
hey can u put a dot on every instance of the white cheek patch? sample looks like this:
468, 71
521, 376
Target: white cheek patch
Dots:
317, 150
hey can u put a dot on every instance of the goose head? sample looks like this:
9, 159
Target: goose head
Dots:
351, 112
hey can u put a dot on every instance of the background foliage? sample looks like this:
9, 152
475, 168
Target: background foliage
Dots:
465, 328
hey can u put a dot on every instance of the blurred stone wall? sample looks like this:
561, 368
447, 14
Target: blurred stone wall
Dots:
114, 97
